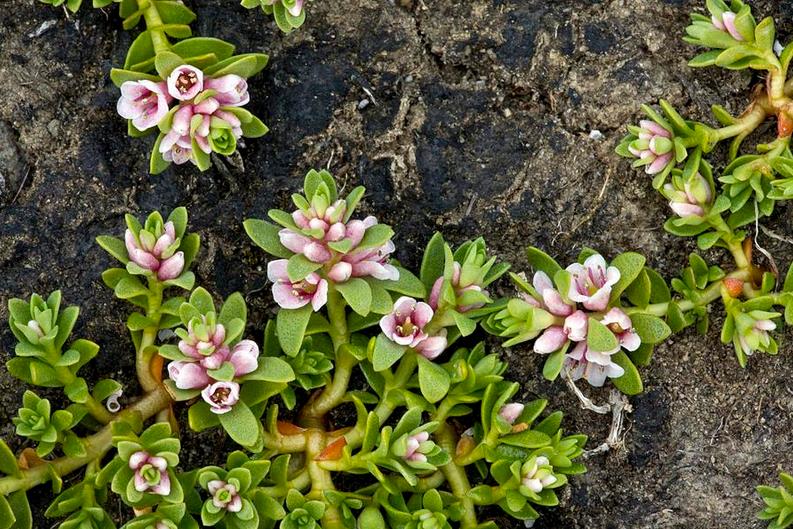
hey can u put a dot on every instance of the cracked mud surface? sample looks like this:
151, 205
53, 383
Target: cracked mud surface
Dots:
480, 122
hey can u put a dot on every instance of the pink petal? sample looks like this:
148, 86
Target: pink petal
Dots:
293, 241
244, 357
140, 482
655, 128
541, 282
316, 252
235, 505
728, 19
422, 314
630, 340
404, 306
283, 294
618, 316
433, 346
553, 300
659, 164
277, 270
599, 301
181, 120
191, 376
578, 352
435, 294
551, 340
163, 488
172, 267
340, 272
158, 462
575, 326
215, 485
320, 296
145, 259
687, 210
388, 325
138, 459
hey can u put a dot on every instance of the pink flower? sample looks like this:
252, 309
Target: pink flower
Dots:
144, 102
244, 357
692, 200
459, 290
413, 445
199, 347
593, 366
510, 412
156, 253
405, 324
727, 23
551, 298
293, 295
372, 262
221, 396
654, 146
432, 346
193, 373
224, 495
232, 90
185, 82
151, 473
554, 337
620, 324
188, 375
296, 8
591, 282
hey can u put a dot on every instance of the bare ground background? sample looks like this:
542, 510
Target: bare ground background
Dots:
480, 121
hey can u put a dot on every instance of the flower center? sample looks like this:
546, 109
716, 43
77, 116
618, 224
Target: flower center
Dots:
150, 474
186, 81
615, 328
220, 395
303, 288
407, 328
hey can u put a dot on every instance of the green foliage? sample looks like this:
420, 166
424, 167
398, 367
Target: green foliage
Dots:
778, 511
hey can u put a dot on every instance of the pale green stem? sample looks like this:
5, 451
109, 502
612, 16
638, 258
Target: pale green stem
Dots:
456, 476
95, 446
384, 409
334, 393
146, 351
709, 295
744, 124
153, 21
285, 444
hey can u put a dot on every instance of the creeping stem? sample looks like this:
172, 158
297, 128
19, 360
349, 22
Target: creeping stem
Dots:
66, 377
706, 296
95, 446
154, 25
334, 393
456, 476
146, 350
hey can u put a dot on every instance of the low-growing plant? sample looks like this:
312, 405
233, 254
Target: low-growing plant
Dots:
597, 320
288, 14
188, 91
361, 406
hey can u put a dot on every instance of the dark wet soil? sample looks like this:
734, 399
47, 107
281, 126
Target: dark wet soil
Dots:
479, 121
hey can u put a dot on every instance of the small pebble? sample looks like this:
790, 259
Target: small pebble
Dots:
596, 135
43, 28
54, 127
363, 103
507, 113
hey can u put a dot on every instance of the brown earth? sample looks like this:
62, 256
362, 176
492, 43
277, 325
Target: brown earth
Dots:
479, 121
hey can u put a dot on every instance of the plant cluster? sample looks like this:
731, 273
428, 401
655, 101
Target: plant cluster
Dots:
357, 407
288, 14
